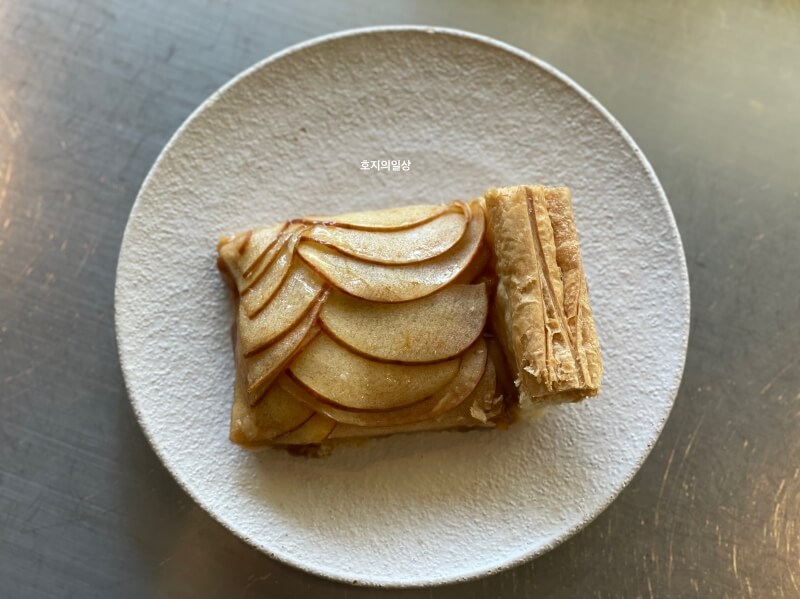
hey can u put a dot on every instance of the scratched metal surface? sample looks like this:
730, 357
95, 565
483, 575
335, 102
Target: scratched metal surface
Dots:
89, 93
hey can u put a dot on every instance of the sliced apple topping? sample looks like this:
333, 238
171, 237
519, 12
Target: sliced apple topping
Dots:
436, 327
315, 430
475, 269
258, 246
350, 381
480, 405
402, 246
462, 415
389, 219
363, 324
252, 274
250, 250
470, 370
262, 288
232, 246
396, 283
293, 299
276, 415
263, 367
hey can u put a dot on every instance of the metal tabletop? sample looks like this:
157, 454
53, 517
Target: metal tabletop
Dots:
90, 92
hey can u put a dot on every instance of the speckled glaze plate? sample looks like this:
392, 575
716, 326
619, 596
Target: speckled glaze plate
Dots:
287, 137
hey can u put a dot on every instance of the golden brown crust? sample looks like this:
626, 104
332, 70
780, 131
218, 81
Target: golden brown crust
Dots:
576, 293
541, 309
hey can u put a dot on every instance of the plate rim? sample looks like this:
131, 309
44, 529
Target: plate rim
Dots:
552, 71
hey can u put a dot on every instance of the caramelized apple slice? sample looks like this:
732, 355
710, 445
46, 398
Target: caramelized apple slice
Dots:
391, 219
396, 283
231, 247
243, 249
481, 405
265, 283
475, 269
350, 381
403, 246
247, 254
259, 245
276, 415
471, 412
471, 368
435, 327
315, 430
264, 366
299, 291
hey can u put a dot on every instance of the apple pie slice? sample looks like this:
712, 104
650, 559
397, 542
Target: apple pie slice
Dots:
408, 319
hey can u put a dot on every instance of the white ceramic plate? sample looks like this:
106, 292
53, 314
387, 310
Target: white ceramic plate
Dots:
286, 138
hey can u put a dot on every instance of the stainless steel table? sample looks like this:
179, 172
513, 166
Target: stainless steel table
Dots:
89, 93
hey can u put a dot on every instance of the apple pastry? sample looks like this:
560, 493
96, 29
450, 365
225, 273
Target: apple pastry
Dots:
456, 316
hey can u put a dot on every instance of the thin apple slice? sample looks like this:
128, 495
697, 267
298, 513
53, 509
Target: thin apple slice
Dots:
278, 414
262, 368
295, 297
395, 283
232, 246
436, 327
252, 274
388, 219
315, 430
260, 242
471, 368
246, 251
404, 246
353, 382
266, 282
463, 415
505, 380
481, 405
476, 268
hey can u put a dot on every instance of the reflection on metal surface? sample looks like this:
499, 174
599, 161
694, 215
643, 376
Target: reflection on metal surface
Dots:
9, 132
